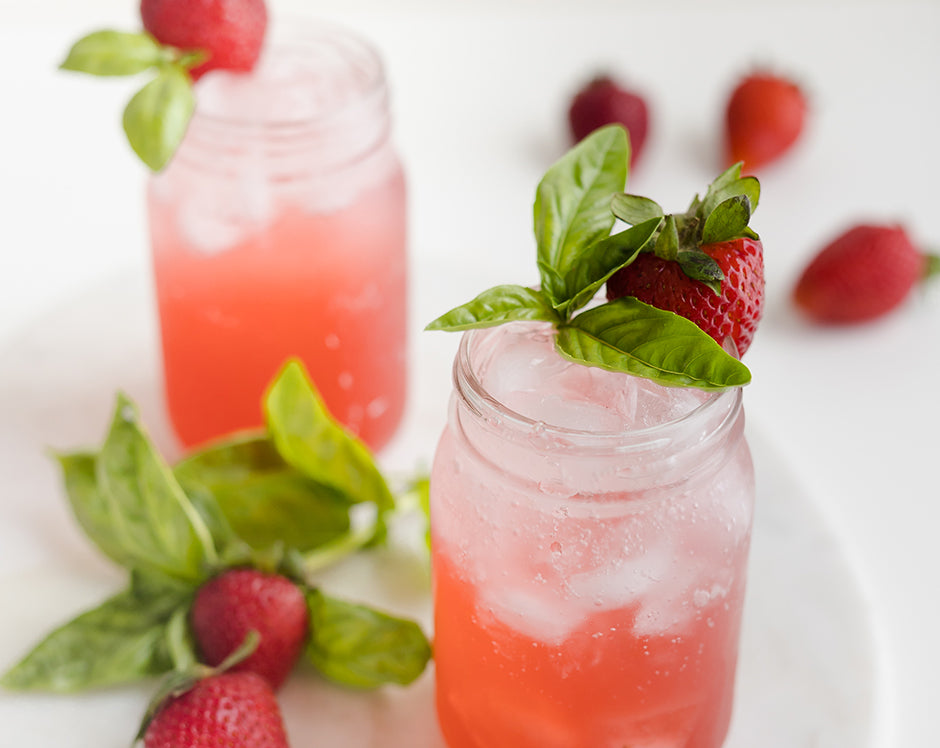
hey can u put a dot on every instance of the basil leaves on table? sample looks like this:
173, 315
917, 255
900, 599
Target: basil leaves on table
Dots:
278, 499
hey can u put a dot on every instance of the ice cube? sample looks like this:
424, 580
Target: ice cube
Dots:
533, 611
522, 369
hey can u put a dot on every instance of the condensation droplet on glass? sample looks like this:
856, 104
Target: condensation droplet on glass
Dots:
331, 341
700, 598
345, 380
555, 548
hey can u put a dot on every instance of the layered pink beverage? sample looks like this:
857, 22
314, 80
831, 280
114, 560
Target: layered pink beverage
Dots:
278, 230
590, 537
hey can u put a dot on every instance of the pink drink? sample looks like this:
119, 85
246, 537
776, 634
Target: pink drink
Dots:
278, 230
590, 537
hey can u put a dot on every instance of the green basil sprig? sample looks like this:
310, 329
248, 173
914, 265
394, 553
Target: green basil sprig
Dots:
278, 499
156, 117
361, 647
577, 204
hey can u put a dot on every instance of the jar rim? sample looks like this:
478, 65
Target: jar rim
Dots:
723, 405
299, 32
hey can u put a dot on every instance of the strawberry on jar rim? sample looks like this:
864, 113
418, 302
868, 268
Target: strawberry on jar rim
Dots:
229, 32
706, 264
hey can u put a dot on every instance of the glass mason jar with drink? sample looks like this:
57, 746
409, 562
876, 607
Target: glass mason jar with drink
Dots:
592, 494
278, 230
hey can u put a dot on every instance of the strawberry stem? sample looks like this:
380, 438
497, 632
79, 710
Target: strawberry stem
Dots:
931, 266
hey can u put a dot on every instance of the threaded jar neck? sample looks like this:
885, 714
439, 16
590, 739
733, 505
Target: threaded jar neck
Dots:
317, 101
667, 453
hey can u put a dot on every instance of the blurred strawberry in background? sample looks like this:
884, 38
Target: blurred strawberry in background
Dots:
764, 117
605, 101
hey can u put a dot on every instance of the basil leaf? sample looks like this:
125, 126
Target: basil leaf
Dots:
602, 259
630, 336
114, 53
552, 284
310, 440
120, 641
180, 641
727, 220
572, 203
156, 117
634, 209
91, 508
152, 520
263, 499
361, 647
495, 306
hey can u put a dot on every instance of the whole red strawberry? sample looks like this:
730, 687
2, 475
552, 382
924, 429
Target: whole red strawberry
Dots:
862, 274
227, 710
763, 119
706, 264
229, 606
231, 32
603, 101
734, 313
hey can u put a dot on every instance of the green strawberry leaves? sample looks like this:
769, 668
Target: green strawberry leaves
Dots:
577, 204
728, 220
157, 116
279, 500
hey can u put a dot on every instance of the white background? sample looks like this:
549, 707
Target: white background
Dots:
479, 96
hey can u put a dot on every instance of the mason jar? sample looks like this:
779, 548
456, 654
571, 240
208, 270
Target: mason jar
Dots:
590, 535
279, 230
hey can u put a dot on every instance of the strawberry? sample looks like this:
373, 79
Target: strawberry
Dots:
230, 605
733, 313
231, 709
603, 101
763, 119
705, 265
860, 275
231, 32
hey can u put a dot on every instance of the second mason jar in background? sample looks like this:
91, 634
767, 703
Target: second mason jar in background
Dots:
279, 230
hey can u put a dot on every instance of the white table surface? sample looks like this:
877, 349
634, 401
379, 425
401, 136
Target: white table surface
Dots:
479, 98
